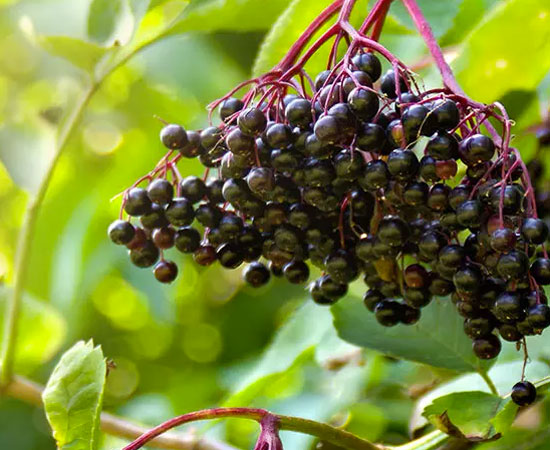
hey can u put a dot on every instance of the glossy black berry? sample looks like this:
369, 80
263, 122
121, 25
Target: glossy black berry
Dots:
173, 136
341, 266
388, 85
534, 230
476, 149
155, 218
540, 271
179, 212
375, 176
503, 239
121, 232
229, 255
447, 114
442, 146
165, 271
508, 307
187, 239
388, 312
296, 272
538, 316
193, 189
256, 274
369, 63
487, 347
513, 265
327, 130
298, 113
137, 202
469, 213
402, 164
163, 238
252, 121
160, 191
145, 256
524, 393
364, 103
229, 107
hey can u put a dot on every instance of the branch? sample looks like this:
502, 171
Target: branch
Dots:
30, 392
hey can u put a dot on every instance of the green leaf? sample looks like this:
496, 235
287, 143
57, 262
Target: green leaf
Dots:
103, 17
470, 13
437, 339
295, 339
41, 332
286, 30
229, 15
440, 15
73, 397
510, 50
475, 416
82, 54
504, 376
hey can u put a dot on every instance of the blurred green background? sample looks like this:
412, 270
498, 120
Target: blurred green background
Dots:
206, 340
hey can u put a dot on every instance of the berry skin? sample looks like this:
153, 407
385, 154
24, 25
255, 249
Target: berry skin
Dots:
160, 191
298, 113
524, 393
468, 279
229, 255
540, 271
173, 137
193, 189
469, 213
164, 237
165, 271
145, 256
393, 231
208, 215
137, 202
442, 146
205, 255
403, 164
369, 63
447, 114
371, 138
364, 103
534, 230
121, 232
256, 274
318, 296
387, 84
417, 120
229, 107
476, 149
327, 129
179, 212
155, 218
296, 272
252, 121
508, 307
375, 176
388, 312
478, 327
487, 347
371, 298
503, 239
331, 288
538, 317
341, 266
187, 240
513, 265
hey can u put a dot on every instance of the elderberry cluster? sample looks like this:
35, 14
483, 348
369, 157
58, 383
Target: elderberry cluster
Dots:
361, 175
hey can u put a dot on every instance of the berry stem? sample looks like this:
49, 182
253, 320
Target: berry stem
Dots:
323, 431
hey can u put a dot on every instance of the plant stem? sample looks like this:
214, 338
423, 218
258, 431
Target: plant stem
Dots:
31, 393
32, 211
483, 373
323, 431
426, 32
25, 240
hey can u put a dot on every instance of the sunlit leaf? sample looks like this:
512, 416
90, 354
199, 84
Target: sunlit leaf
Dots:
509, 50
474, 416
82, 54
229, 15
503, 375
73, 397
102, 19
41, 331
437, 339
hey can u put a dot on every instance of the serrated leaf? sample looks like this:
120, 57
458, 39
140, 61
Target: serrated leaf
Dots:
82, 54
73, 397
475, 416
295, 338
103, 17
500, 55
41, 332
229, 15
437, 339
503, 375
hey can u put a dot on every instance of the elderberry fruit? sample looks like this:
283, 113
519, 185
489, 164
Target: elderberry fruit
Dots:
121, 232
173, 136
524, 393
165, 271
256, 274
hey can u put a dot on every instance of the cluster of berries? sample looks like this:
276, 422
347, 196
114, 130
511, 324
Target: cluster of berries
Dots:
361, 174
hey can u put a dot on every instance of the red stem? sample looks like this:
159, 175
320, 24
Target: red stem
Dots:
207, 414
426, 32
299, 45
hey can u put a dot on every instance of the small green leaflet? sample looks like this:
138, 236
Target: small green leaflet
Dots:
103, 18
73, 397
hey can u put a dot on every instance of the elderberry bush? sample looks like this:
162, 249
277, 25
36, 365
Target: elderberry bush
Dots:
363, 175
